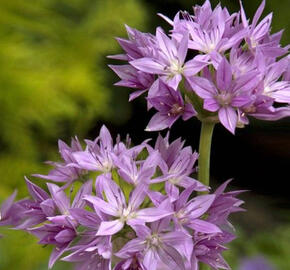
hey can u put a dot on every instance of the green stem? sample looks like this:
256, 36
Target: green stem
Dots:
207, 128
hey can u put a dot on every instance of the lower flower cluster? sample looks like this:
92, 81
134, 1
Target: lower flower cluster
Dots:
143, 211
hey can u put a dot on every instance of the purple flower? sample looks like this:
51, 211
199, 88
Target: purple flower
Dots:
62, 172
188, 213
227, 95
278, 90
98, 154
60, 233
92, 255
133, 78
224, 204
242, 61
134, 262
169, 63
139, 172
155, 246
116, 206
258, 35
61, 229
139, 45
210, 31
212, 35
37, 210
170, 106
235, 90
150, 229
10, 213
178, 174
208, 249
169, 151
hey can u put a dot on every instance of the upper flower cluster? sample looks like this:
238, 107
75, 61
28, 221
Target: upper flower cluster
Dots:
142, 212
239, 68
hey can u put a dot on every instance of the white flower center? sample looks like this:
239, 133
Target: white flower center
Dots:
174, 180
175, 67
153, 240
127, 214
224, 98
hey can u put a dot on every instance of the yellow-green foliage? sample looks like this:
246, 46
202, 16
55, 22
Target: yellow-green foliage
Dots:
54, 83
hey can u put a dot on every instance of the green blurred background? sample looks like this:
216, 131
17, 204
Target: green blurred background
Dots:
55, 83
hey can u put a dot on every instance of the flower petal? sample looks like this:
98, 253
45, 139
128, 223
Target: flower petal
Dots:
148, 65
101, 205
224, 75
203, 87
228, 118
203, 226
110, 227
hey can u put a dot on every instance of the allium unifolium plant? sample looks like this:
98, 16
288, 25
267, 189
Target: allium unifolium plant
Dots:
238, 69
140, 212
114, 205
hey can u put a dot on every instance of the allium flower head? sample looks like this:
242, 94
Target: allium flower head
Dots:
239, 68
142, 212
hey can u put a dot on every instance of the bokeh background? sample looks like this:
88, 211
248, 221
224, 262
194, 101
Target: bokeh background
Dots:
55, 83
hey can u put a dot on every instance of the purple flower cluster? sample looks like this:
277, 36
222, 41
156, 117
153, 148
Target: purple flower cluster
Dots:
141, 212
238, 70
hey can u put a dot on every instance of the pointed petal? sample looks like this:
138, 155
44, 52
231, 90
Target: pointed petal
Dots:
199, 205
165, 44
152, 214
172, 191
211, 104
106, 138
258, 14
136, 94
174, 238
114, 194
192, 67
56, 253
224, 75
184, 196
160, 121
131, 247
148, 65
65, 236
137, 196
203, 226
37, 193
101, 205
228, 118
86, 161
240, 101
6, 205
182, 49
86, 189
110, 227
142, 231
243, 16
48, 207
85, 218
59, 197
171, 257
172, 81
203, 87
150, 259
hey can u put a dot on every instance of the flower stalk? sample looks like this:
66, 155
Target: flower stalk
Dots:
204, 152
206, 133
